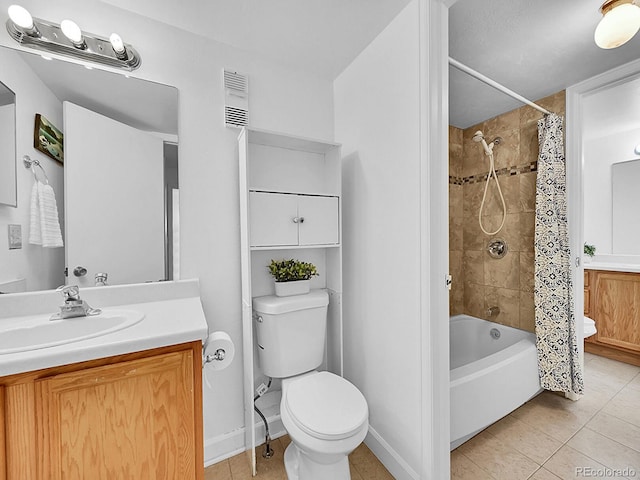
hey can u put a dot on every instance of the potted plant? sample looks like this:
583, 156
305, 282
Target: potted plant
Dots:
292, 276
589, 250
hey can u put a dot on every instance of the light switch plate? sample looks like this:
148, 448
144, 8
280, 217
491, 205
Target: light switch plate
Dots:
15, 237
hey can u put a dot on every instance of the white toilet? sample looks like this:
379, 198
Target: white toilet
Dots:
325, 415
589, 327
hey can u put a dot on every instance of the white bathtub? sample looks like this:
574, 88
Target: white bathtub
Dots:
490, 377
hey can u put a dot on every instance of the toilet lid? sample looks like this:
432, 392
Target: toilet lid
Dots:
326, 406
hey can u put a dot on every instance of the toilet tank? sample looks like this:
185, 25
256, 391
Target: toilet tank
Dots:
291, 332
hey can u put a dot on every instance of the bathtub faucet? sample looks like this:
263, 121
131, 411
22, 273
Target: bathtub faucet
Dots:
493, 311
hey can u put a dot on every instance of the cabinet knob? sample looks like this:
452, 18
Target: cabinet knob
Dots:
298, 219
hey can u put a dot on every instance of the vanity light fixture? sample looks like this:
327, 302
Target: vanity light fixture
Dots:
619, 23
72, 31
69, 40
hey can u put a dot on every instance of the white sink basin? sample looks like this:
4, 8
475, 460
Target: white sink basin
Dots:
40, 332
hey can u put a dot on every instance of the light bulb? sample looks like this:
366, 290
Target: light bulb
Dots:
72, 31
116, 43
617, 26
637, 149
21, 17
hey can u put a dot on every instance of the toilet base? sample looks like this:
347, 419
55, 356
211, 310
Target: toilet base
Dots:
300, 466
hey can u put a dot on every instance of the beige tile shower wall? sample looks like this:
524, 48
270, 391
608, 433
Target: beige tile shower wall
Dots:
484, 282
456, 216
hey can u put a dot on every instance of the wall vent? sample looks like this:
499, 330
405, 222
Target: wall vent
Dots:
235, 117
236, 94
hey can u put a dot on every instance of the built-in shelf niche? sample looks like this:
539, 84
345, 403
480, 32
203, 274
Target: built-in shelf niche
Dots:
282, 164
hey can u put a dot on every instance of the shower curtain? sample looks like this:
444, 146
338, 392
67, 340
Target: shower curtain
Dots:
557, 344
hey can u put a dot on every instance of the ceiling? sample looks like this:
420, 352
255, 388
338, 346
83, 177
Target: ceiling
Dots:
535, 48
319, 36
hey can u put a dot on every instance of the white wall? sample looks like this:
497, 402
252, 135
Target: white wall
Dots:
381, 231
281, 99
599, 155
42, 268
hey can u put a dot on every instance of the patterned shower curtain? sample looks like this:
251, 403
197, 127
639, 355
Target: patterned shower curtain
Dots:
557, 343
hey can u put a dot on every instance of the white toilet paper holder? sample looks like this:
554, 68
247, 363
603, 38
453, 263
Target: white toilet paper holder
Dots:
218, 350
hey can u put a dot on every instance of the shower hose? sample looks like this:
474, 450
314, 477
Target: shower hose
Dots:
492, 173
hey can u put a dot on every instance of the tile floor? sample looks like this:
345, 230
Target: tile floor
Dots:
550, 437
364, 465
545, 439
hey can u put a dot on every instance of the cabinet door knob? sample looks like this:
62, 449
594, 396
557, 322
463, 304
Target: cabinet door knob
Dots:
298, 219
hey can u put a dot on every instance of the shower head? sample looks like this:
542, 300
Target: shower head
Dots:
479, 137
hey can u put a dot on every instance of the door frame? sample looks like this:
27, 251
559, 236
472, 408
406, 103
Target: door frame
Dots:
575, 163
434, 243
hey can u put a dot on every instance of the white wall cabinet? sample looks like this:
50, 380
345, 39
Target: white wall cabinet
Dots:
282, 219
290, 207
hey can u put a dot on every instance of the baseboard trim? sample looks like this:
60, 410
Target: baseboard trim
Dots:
392, 461
227, 445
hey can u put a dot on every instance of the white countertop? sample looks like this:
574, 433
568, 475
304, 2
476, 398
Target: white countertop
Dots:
614, 267
173, 315
615, 263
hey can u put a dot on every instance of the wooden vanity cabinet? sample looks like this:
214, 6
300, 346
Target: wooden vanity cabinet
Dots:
587, 293
133, 416
3, 444
614, 304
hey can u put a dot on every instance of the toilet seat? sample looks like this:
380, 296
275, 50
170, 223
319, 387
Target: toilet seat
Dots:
589, 327
326, 406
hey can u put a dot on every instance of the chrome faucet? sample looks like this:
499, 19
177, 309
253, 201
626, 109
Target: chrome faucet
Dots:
73, 305
493, 311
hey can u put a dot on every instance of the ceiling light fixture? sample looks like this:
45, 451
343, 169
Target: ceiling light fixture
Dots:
620, 22
69, 40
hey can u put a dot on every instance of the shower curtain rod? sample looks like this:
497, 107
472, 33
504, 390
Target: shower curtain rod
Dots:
492, 83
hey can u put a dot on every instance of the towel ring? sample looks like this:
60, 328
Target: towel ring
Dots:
32, 164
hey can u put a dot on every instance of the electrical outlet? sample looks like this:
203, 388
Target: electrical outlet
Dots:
15, 237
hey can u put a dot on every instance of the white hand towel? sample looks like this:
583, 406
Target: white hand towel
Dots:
45, 226
35, 237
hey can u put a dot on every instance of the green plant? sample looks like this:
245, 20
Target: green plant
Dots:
589, 250
292, 270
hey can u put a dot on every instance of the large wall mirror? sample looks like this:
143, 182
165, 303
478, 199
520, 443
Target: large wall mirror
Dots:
8, 186
625, 225
611, 170
116, 186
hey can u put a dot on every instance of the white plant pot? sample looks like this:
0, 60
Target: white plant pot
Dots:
286, 289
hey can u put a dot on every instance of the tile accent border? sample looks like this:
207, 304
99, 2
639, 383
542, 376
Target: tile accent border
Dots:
481, 177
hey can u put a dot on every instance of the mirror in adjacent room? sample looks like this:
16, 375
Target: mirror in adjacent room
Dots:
117, 188
611, 133
625, 227
8, 187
